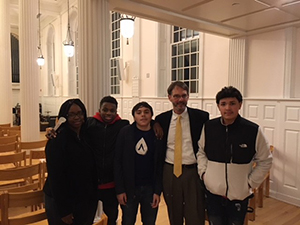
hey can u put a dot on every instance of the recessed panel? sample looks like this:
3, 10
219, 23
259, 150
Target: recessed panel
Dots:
269, 132
291, 158
253, 111
209, 108
157, 106
292, 114
269, 112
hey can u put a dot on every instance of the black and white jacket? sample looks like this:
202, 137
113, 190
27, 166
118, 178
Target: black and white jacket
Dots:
226, 156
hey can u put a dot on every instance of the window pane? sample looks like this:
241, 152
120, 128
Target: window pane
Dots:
176, 38
186, 47
180, 49
194, 59
173, 75
194, 46
193, 73
174, 50
193, 87
174, 65
186, 74
180, 61
180, 74
182, 35
186, 61
189, 33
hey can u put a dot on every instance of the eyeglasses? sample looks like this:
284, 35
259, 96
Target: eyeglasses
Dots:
180, 96
73, 115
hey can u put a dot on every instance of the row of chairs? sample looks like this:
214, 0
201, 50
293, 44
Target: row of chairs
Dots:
21, 184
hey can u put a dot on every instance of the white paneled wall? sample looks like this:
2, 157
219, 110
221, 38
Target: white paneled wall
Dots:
280, 121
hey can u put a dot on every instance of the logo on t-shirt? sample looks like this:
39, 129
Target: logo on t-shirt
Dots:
141, 147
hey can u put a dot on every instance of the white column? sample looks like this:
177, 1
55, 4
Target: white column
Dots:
237, 54
29, 75
5, 64
290, 61
94, 52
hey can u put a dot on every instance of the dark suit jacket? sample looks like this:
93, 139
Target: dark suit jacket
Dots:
197, 119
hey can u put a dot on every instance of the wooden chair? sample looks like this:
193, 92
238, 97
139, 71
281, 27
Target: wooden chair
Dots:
6, 129
9, 139
21, 178
33, 145
13, 160
9, 201
9, 147
39, 155
5, 125
14, 132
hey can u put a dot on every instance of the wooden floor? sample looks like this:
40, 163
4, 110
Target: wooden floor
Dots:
274, 212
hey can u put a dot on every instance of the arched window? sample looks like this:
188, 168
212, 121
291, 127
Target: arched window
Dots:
15, 58
51, 61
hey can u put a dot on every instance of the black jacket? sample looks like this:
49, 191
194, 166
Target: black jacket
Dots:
72, 177
125, 164
103, 138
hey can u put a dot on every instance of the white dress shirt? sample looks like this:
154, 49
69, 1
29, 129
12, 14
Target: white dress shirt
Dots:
188, 155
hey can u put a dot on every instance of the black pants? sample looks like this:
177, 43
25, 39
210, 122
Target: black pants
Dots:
222, 211
110, 204
83, 212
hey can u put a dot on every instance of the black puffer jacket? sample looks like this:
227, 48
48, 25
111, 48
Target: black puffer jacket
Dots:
103, 138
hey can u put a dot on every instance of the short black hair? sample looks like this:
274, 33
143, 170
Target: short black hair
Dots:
139, 105
229, 92
178, 84
109, 99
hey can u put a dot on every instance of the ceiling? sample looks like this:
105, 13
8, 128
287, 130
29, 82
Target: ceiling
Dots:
230, 18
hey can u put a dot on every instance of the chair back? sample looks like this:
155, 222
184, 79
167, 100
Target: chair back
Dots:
9, 201
9, 139
9, 147
14, 132
32, 146
13, 160
21, 178
6, 129
5, 125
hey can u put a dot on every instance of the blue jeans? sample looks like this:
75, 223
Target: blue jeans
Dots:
222, 211
144, 197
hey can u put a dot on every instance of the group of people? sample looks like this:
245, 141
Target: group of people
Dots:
198, 164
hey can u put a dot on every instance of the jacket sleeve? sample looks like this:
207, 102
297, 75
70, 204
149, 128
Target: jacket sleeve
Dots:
263, 159
57, 175
201, 156
118, 163
159, 167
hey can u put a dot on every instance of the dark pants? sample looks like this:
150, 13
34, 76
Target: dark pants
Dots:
110, 204
83, 213
184, 196
144, 197
222, 211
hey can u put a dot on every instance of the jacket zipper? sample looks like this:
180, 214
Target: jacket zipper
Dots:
226, 172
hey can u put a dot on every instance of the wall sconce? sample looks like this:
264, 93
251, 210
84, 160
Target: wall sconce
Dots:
68, 43
40, 60
127, 26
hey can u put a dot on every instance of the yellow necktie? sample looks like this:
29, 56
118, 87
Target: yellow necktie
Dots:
178, 149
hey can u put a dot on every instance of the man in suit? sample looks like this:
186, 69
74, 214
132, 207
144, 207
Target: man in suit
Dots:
183, 192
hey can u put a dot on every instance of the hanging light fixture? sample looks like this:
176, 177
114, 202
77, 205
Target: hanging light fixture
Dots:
68, 43
127, 26
40, 60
